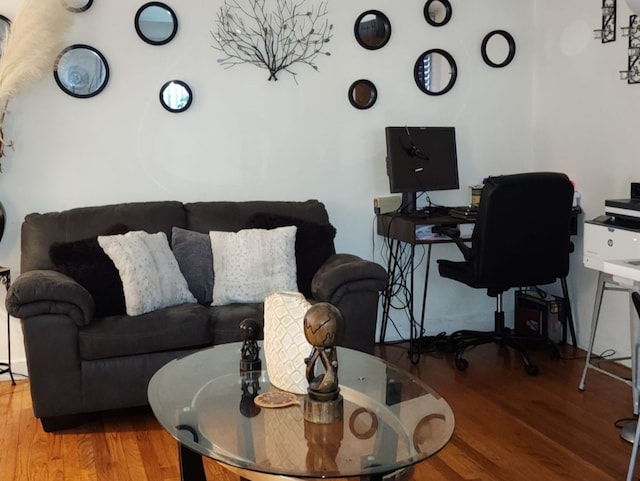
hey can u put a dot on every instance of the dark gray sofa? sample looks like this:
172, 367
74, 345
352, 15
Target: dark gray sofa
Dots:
79, 363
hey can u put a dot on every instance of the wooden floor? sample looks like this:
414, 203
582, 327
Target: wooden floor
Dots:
509, 427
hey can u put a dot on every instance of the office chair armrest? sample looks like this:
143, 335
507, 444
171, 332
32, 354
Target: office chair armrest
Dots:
454, 233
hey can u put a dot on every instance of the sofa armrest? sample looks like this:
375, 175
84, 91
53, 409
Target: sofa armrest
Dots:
353, 285
49, 292
343, 273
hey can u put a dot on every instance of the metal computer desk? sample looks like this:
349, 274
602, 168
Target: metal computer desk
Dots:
399, 228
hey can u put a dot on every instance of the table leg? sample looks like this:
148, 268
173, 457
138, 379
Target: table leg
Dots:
633, 322
597, 304
424, 292
191, 467
568, 314
414, 351
5, 278
394, 248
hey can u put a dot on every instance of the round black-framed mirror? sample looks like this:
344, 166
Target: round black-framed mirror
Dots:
498, 48
156, 23
437, 12
81, 71
176, 96
5, 25
363, 94
435, 72
372, 29
77, 6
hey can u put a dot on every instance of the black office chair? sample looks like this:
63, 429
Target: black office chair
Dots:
521, 238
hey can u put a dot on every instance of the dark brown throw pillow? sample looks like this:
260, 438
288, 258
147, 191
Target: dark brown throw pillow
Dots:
85, 262
314, 244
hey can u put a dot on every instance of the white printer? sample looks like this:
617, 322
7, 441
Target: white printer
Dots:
614, 236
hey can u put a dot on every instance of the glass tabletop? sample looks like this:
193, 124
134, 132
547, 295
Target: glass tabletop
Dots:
391, 419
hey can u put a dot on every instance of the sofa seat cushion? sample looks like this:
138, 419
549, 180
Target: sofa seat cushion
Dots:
226, 320
178, 327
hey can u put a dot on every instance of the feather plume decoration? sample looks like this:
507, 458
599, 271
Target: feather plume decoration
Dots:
30, 48
32, 45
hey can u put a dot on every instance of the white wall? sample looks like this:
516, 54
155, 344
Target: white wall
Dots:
585, 123
246, 138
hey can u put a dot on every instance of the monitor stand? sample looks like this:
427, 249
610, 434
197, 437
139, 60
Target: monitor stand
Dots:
409, 204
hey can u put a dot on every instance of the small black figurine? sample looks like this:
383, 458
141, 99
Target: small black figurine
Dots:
250, 353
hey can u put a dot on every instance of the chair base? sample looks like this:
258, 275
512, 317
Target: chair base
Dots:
466, 339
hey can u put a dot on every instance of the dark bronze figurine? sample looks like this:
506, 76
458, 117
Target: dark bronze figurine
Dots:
321, 326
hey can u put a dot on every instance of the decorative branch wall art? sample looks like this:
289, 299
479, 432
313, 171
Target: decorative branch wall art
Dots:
273, 37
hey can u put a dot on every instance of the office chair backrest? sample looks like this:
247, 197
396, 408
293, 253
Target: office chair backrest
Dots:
521, 237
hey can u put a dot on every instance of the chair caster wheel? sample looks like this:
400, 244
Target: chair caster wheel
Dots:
531, 369
461, 364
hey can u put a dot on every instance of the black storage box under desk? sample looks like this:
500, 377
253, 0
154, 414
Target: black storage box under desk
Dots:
538, 316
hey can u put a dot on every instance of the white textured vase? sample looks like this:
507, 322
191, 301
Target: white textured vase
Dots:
285, 346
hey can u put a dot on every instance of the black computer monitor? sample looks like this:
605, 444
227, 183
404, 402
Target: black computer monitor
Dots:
421, 159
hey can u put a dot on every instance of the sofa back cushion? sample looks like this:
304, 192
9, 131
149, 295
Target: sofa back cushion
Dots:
40, 231
314, 243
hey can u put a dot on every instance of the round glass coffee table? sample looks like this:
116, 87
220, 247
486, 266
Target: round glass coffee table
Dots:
391, 419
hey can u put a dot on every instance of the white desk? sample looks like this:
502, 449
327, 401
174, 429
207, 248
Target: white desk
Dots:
617, 275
